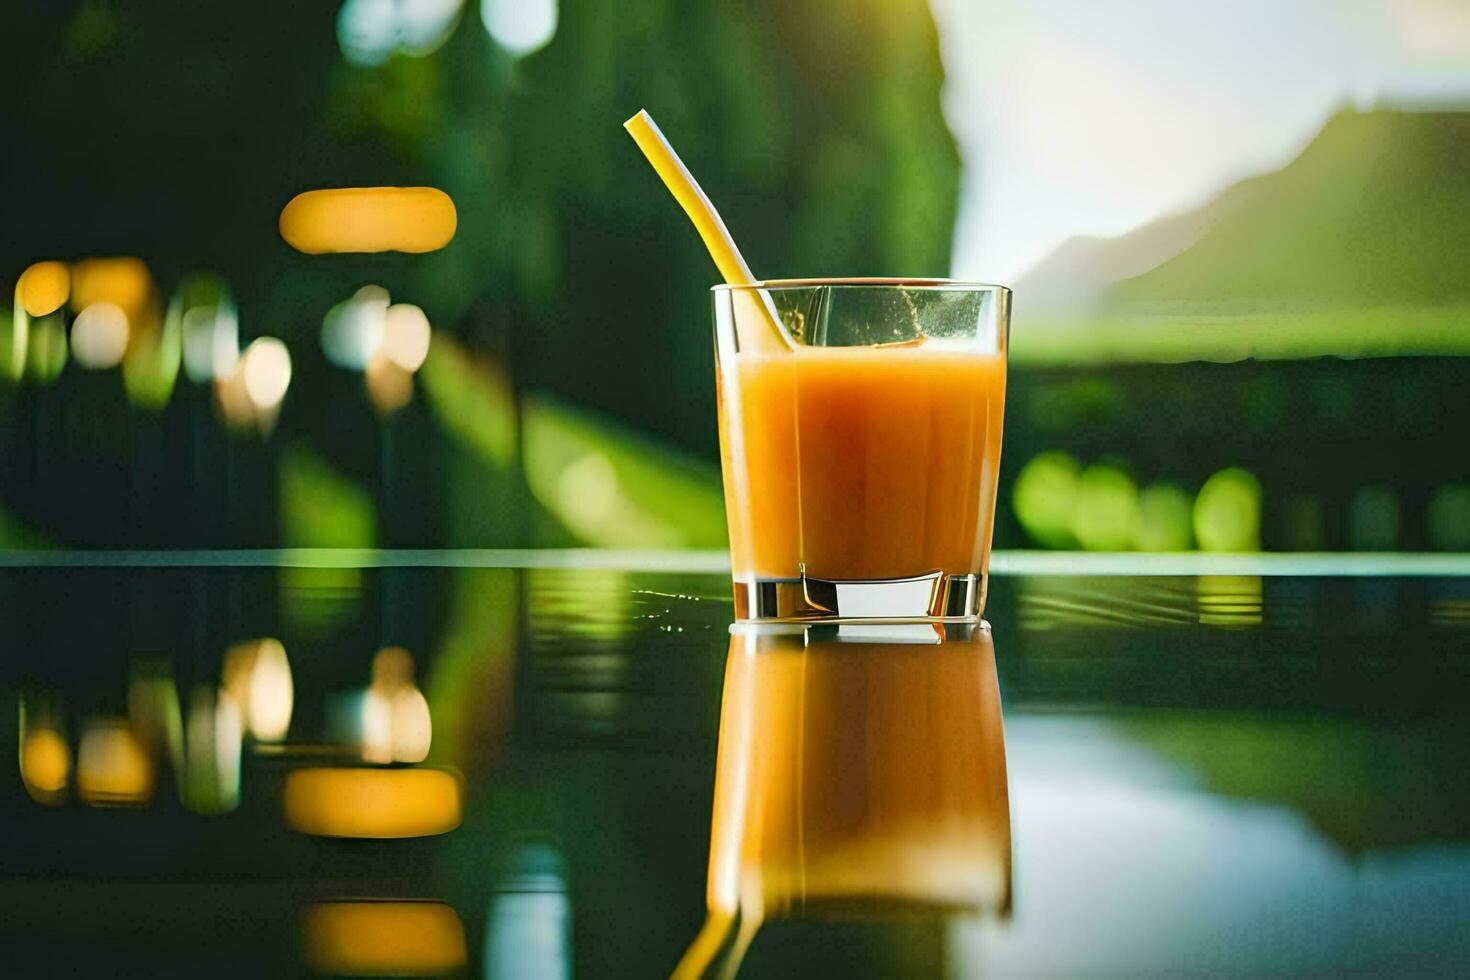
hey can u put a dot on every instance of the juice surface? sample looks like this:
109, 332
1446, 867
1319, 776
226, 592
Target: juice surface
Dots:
860, 462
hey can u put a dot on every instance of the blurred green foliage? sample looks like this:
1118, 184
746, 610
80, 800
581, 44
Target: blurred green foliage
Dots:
177, 132
611, 487
1227, 512
1164, 519
322, 508
1139, 338
820, 136
568, 396
1044, 497
1105, 512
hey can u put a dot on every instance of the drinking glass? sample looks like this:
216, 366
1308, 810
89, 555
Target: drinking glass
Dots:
860, 430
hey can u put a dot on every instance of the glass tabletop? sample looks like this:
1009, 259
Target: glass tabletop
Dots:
531, 765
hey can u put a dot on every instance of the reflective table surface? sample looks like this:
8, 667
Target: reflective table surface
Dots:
560, 767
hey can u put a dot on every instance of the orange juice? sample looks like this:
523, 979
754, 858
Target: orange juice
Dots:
860, 462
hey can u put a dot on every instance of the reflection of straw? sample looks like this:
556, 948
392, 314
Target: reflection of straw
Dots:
696, 204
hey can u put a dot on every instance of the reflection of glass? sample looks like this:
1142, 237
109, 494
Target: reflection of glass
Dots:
861, 771
860, 441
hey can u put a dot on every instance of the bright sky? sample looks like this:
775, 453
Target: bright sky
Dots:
1078, 117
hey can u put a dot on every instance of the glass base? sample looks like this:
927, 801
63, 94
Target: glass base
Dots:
931, 596
796, 635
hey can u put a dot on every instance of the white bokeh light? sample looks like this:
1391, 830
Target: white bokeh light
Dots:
99, 337
520, 26
368, 31
406, 336
266, 367
352, 331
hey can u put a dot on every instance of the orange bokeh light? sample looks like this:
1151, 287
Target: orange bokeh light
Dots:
369, 219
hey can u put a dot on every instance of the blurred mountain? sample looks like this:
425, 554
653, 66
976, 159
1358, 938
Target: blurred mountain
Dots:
1371, 214
1082, 268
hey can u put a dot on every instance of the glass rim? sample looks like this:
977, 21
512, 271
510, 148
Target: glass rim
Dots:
914, 282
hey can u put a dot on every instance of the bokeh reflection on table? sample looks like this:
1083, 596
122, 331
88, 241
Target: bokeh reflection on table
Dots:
383, 938
1213, 773
861, 772
373, 803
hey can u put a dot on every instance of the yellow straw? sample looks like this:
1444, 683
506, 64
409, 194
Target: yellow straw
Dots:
691, 198
696, 204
